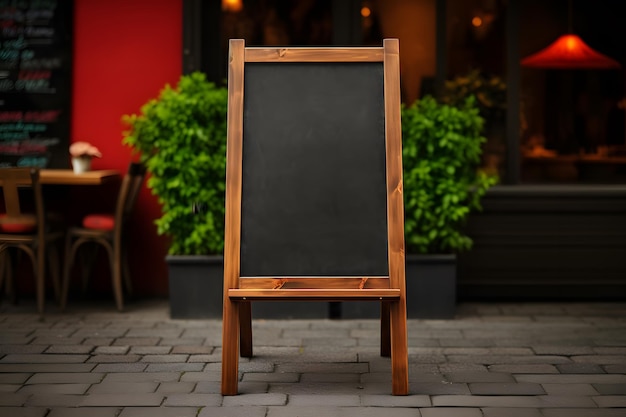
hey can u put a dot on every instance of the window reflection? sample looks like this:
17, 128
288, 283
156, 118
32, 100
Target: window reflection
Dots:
278, 22
575, 117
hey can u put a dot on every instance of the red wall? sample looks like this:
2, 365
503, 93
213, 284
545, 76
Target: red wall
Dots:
124, 53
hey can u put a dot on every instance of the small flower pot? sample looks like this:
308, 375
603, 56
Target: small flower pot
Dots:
81, 164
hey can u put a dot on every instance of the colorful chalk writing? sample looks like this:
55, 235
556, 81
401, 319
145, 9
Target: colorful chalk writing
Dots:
35, 82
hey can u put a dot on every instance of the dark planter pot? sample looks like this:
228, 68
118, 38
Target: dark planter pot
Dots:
195, 286
431, 286
196, 292
430, 290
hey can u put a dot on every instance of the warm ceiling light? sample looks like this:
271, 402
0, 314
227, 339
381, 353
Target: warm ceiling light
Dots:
232, 5
569, 52
477, 21
366, 12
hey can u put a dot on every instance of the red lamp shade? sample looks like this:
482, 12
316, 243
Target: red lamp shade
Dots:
569, 52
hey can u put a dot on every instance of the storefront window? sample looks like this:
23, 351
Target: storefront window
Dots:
476, 42
413, 23
574, 117
277, 22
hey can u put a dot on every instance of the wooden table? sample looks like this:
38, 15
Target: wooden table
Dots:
68, 177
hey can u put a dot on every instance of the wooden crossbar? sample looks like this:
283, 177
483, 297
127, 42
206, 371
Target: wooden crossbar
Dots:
313, 294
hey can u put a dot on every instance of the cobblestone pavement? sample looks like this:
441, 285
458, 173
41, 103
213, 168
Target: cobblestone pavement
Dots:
510, 360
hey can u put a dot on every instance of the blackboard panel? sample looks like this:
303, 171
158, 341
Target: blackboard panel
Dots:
313, 170
35, 82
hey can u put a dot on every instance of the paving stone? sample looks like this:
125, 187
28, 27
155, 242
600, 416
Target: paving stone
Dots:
255, 399
114, 358
250, 411
193, 400
176, 387
150, 350
511, 412
111, 350
610, 401
70, 349
181, 342
611, 389
164, 358
174, 367
26, 412
161, 412
506, 388
10, 378
301, 411
526, 369
451, 412
271, 377
22, 348
192, 349
54, 400
55, 389
142, 377
570, 389
376, 412
12, 399
116, 387
120, 367
582, 412
122, 400
136, 341
66, 378
479, 377
84, 412
201, 376
413, 401
323, 367
9, 387
324, 388
439, 388
321, 377
37, 359
328, 400
577, 379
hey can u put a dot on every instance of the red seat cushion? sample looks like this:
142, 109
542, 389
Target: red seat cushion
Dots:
23, 224
99, 221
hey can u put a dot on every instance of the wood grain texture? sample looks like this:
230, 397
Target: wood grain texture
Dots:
395, 213
293, 54
314, 294
230, 318
313, 282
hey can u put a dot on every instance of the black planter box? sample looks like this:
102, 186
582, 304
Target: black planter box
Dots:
195, 286
430, 290
196, 292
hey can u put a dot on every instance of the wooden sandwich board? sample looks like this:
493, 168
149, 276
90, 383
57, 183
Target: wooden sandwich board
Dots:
314, 205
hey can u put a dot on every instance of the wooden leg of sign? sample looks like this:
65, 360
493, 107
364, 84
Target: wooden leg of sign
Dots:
245, 329
230, 347
385, 330
399, 349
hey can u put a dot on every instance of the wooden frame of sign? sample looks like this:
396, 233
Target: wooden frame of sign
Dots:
314, 205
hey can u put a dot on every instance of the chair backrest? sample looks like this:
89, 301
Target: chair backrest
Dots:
129, 191
12, 180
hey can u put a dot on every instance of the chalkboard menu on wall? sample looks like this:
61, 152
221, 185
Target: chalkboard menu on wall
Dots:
35, 82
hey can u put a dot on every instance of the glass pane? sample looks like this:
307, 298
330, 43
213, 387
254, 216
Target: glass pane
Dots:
476, 36
412, 22
573, 118
277, 22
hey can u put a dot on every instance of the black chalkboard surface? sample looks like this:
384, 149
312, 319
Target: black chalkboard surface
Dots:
35, 82
313, 182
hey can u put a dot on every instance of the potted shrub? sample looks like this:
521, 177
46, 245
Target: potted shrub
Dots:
443, 184
181, 137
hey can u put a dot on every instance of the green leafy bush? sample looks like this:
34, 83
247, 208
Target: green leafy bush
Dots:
442, 183
181, 137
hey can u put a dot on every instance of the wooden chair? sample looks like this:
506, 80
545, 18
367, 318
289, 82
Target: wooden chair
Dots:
28, 232
108, 231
